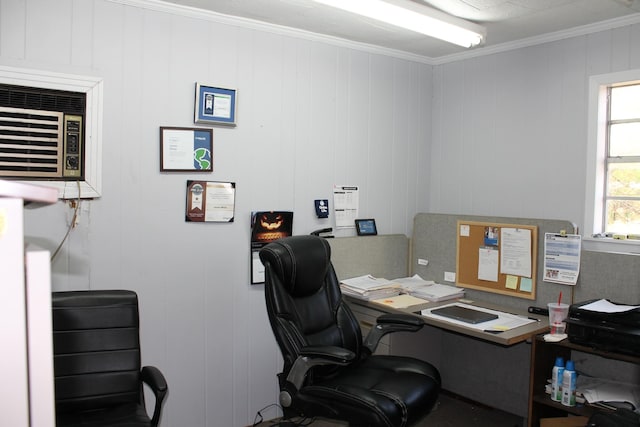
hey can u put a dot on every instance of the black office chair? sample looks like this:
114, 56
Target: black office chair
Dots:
97, 368
328, 370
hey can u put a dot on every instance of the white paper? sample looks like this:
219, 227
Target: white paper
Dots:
516, 252
604, 306
562, 258
438, 292
367, 283
222, 105
488, 264
345, 205
412, 283
602, 390
258, 268
220, 201
177, 150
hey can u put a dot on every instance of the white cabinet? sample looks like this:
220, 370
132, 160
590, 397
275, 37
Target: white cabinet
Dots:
26, 389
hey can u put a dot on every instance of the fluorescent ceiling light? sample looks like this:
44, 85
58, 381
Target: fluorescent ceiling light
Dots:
415, 17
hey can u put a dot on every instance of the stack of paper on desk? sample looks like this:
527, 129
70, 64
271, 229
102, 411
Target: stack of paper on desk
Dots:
438, 292
368, 287
427, 289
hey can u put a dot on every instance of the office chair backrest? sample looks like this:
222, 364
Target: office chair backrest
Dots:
96, 349
303, 297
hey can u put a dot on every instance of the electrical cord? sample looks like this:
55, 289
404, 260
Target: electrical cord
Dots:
71, 225
281, 423
257, 421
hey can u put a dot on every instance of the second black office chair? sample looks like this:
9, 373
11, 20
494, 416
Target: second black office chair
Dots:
328, 370
97, 368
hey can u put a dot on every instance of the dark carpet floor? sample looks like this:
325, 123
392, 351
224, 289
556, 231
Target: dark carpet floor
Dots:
450, 411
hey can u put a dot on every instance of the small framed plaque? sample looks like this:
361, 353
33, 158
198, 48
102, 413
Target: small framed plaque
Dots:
215, 105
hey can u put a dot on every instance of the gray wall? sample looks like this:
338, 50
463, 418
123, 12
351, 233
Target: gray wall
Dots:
310, 115
468, 136
510, 129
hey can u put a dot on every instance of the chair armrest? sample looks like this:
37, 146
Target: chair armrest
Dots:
325, 355
309, 357
153, 377
392, 322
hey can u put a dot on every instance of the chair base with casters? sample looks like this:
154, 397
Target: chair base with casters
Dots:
329, 371
97, 367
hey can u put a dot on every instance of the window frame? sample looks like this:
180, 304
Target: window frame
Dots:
597, 140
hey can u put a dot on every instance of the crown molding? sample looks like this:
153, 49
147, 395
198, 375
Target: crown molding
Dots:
541, 39
192, 12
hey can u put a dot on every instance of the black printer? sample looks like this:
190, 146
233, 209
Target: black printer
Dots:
618, 332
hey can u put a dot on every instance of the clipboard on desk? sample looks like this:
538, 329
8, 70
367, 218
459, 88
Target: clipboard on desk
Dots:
464, 314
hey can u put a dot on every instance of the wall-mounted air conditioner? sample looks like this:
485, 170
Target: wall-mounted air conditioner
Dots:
50, 130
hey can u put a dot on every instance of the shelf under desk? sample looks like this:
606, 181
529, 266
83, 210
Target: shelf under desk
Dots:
506, 338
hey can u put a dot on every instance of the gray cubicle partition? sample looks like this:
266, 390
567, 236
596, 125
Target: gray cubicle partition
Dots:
434, 239
615, 276
383, 256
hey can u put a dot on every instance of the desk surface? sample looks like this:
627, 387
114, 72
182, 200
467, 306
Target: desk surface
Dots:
509, 337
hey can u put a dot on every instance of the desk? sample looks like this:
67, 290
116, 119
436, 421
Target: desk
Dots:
506, 338
492, 369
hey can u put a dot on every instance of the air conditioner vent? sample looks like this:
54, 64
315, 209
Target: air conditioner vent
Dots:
31, 143
41, 133
42, 99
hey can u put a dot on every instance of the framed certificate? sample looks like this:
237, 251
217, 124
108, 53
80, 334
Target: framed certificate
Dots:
210, 201
215, 105
186, 149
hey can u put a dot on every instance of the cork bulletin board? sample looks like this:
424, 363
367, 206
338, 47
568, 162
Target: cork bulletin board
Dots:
497, 257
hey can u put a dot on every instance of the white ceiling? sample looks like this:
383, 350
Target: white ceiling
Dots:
506, 21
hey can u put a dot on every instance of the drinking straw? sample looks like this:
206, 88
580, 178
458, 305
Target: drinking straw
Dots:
559, 298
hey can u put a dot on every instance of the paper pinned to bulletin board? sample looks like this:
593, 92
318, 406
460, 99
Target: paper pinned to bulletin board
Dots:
499, 258
562, 258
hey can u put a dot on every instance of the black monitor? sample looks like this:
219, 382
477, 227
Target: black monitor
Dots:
366, 227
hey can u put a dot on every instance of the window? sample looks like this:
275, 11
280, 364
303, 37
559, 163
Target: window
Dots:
612, 209
621, 214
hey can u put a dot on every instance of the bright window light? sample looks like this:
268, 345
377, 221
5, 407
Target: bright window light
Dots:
415, 17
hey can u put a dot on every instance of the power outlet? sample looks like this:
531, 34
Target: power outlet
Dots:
449, 276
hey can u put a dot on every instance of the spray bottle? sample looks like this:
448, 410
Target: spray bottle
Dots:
556, 379
569, 385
